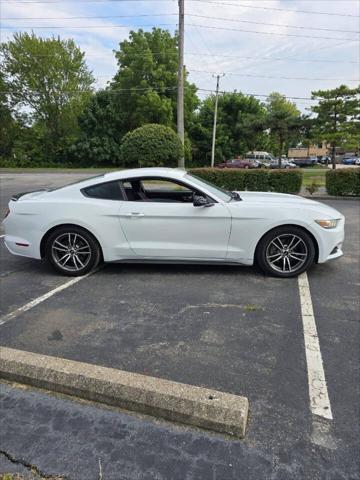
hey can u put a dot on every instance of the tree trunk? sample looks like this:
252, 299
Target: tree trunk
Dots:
333, 151
281, 142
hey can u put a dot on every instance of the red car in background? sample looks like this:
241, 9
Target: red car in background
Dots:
238, 163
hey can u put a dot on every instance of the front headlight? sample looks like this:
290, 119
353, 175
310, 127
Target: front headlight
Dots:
328, 223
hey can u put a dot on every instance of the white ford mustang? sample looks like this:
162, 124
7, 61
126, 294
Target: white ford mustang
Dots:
169, 215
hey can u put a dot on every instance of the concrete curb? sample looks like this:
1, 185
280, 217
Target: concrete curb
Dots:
328, 197
201, 407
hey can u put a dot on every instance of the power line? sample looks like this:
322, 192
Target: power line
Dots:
201, 1
280, 59
201, 54
263, 95
72, 27
54, 27
316, 12
160, 88
270, 33
83, 1
310, 12
281, 77
92, 16
175, 14
115, 90
272, 24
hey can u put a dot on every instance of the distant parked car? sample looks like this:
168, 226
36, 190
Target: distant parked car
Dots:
325, 160
263, 158
285, 163
238, 163
351, 161
305, 161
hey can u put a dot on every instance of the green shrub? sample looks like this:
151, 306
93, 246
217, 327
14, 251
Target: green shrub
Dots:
260, 180
343, 181
24, 162
256, 180
285, 181
151, 146
221, 177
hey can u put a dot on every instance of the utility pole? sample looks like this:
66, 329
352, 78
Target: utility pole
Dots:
215, 119
180, 96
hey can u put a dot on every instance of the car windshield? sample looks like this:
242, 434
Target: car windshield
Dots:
210, 187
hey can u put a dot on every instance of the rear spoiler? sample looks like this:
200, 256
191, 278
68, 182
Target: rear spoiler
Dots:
16, 196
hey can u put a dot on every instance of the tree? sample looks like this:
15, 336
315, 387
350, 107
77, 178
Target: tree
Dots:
15, 141
306, 131
240, 127
100, 133
7, 123
338, 118
49, 79
283, 119
144, 90
146, 81
151, 146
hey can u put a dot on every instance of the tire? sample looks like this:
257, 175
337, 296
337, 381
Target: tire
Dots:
72, 251
273, 253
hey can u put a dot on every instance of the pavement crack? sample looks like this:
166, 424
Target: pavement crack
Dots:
32, 468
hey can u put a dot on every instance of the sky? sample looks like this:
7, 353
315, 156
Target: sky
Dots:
290, 46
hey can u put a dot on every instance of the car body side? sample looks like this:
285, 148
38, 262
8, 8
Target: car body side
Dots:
249, 221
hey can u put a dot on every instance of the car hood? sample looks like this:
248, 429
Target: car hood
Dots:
284, 200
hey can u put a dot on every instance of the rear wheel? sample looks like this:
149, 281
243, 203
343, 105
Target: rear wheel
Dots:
285, 252
72, 251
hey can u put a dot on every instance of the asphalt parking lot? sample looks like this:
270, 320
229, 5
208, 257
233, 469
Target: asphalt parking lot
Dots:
228, 328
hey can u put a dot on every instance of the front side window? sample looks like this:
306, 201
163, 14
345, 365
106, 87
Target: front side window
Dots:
157, 190
210, 187
105, 191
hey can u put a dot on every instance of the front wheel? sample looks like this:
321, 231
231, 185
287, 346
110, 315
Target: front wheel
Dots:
285, 252
72, 251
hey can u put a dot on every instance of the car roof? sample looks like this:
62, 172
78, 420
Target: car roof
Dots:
175, 173
146, 172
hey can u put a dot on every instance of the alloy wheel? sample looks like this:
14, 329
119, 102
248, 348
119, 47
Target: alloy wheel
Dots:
71, 251
286, 253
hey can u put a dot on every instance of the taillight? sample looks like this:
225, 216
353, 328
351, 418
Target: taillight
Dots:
7, 213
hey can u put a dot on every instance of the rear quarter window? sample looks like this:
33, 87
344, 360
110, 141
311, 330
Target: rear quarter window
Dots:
104, 191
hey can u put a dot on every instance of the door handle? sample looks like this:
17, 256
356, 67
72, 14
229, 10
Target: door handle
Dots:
135, 214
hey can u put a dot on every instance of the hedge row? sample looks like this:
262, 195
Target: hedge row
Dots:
343, 181
259, 180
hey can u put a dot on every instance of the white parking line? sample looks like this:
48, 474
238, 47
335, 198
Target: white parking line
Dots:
319, 398
10, 316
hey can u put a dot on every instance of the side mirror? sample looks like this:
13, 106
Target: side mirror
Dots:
200, 201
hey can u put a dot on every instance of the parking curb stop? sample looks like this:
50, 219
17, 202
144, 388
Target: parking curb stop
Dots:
191, 405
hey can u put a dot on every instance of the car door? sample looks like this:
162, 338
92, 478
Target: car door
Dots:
162, 227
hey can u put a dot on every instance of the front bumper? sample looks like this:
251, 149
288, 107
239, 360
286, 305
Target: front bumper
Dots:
331, 242
337, 252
